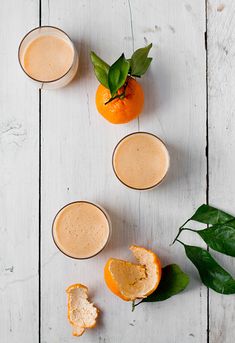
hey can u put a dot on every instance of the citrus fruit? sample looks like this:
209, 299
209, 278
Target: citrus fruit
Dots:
121, 110
131, 281
81, 313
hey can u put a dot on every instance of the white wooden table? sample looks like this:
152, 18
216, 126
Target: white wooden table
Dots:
55, 148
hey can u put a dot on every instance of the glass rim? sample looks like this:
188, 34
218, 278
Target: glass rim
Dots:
104, 213
38, 28
135, 133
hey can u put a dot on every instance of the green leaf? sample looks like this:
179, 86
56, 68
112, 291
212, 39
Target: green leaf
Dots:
117, 74
211, 273
101, 69
144, 68
220, 237
210, 215
173, 281
140, 61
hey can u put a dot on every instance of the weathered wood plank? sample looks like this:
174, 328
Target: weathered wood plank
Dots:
76, 162
175, 89
18, 181
221, 106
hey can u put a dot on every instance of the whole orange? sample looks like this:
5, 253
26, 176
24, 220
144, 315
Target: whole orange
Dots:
120, 111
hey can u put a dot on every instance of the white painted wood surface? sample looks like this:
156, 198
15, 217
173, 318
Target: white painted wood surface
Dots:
221, 78
18, 181
76, 150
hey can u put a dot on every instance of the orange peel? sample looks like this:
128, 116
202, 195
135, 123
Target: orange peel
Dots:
82, 314
131, 281
121, 111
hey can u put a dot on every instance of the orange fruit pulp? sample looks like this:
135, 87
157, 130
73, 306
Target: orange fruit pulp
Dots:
131, 281
120, 111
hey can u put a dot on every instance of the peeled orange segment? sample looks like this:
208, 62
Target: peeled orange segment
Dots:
126, 274
132, 281
81, 313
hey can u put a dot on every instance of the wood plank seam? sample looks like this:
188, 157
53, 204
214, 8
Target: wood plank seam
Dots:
207, 160
39, 193
133, 44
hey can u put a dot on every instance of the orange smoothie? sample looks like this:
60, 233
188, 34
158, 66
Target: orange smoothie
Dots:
140, 160
81, 229
48, 58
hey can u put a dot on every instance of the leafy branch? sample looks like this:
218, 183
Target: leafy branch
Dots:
219, 236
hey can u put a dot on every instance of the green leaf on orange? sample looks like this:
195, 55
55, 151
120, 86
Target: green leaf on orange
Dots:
140, 61
101, 69
117, 74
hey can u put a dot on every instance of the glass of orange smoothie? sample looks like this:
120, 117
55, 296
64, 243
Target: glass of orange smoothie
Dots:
81, 229
141, 160
48, 57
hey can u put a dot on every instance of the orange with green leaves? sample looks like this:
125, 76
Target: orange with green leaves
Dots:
120, 97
